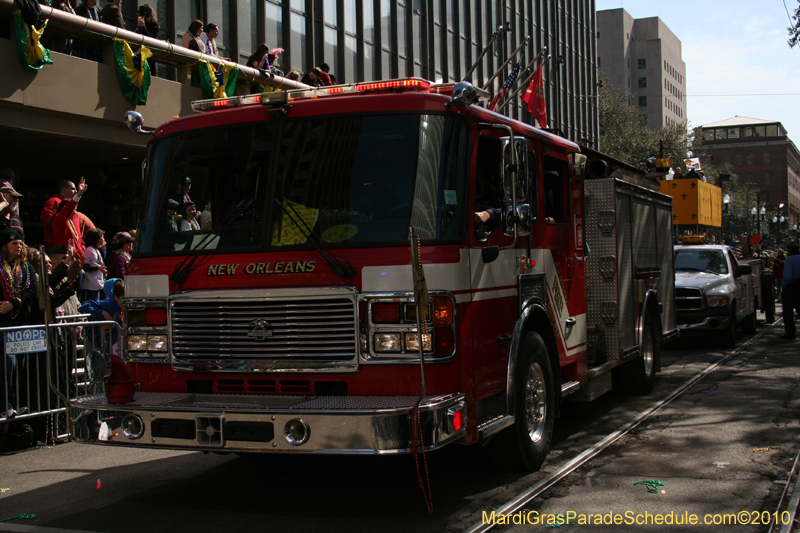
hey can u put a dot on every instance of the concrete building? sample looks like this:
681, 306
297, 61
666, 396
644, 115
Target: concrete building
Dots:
764, 157
642, 57
65, 120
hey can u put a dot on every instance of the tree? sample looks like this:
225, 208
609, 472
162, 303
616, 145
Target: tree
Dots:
625, 135
794, 29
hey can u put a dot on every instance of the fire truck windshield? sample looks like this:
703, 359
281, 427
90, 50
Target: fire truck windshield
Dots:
351, 180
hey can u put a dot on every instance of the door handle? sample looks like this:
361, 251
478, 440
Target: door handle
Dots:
571, 321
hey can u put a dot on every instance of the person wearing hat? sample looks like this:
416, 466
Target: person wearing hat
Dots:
121, 248
20, 295
9, 212
172, 210
791, 290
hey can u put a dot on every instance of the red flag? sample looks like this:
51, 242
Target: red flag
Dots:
534, 97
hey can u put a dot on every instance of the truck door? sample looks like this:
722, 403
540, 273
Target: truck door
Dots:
742, 293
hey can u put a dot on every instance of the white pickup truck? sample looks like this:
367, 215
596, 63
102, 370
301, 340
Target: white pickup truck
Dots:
715, 292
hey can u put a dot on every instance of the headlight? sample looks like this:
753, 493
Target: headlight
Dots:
137, 343
387, 342
157, 343
718, 301
412, 342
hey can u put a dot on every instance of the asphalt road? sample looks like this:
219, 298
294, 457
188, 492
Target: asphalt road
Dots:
700, 446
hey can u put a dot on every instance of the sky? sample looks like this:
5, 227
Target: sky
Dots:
732, 48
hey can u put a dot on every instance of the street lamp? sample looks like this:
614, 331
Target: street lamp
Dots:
726, 200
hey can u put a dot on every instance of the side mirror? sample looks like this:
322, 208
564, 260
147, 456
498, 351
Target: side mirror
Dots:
490, 253
743, 270
523, 217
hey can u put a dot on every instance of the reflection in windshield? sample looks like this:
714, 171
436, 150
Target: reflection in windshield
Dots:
355, 180
701, 261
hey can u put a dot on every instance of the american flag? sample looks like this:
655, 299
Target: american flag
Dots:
506, 86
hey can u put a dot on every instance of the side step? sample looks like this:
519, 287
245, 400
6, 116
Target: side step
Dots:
569, 387
493, 425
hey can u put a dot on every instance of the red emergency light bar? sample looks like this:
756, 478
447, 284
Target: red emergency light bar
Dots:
278, 97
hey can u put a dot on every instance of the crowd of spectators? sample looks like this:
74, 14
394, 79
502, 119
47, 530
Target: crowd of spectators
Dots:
76, 259
199, 36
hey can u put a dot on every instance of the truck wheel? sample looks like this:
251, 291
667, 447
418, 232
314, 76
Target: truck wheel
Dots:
639, 376
749, 323
728, 335
525, 445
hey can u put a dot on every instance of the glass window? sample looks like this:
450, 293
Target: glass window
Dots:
642, 83
750, 178
350, 60
298, 5
220, 12
329, 13
738, 159
708, 134
369, 21
185, 13
331, 49
700, 260
402, 46
642, 63
246, 22
766, 178
350, 24
772, 130
719, 133
387, 28
274, 26
556, 197
726, 158
766, 158
760, 131
747, 131
369, 62
642, 101
749, 159
298, 42
245, 169
733, 133
386, 64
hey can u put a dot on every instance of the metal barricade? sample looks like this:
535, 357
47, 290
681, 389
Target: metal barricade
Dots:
40, 383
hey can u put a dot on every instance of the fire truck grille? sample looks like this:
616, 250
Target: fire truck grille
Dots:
687, 299
302, 329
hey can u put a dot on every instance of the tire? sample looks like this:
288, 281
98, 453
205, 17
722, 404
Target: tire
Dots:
524, 445
639, 376
728, 335
749, 323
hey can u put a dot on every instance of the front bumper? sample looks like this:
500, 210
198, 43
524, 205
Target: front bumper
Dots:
244, 423
711, 319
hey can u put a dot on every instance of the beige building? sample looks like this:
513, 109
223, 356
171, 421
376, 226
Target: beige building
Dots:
643, 58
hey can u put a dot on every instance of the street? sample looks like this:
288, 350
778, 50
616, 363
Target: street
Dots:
724, 446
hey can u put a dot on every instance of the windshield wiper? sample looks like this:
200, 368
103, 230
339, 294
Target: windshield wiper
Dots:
344, 271
184, 268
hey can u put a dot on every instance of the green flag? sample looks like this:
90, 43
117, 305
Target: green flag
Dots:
133, 72
32, 55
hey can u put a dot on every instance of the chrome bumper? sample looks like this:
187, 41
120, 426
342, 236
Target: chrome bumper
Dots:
711, 323
229, 423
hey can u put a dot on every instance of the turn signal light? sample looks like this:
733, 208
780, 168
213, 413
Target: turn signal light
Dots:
442, 311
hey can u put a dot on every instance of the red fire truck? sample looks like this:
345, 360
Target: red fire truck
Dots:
288, 322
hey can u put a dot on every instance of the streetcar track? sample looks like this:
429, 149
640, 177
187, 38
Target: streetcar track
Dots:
524, 498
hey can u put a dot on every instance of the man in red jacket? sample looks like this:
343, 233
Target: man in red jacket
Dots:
66, 190
66, 224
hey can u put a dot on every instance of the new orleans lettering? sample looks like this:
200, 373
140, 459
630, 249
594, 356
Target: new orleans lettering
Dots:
262, 268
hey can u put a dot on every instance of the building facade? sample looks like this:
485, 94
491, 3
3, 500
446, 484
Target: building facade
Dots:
762, 155
74, 107
643, 58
